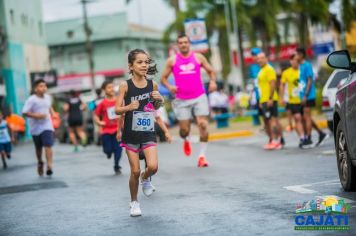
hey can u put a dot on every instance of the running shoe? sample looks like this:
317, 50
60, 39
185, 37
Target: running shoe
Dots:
308, 143
40, 168
187, 148
273, 146
202, 162
8, 155
322, 137
76, 149
283, 141
49, 172
147, 187
117, 170
135, 209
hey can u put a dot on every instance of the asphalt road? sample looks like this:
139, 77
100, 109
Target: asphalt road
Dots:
245, 191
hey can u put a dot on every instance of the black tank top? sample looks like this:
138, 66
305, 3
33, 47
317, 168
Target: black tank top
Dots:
74, 112
143, 95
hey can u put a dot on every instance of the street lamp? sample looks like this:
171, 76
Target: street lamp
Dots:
88, 43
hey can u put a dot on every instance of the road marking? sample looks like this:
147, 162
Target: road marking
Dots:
328, 152
305, 188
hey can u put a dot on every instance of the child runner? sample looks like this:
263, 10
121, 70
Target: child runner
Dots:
5, 140
138, 98
38, 109
109, 122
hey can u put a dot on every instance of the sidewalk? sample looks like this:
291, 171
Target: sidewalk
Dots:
239, 129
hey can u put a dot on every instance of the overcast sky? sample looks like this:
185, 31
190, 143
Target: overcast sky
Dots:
155, 13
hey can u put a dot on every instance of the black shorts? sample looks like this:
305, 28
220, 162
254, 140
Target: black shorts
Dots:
5, 147
295, 108
288, 106
269, 112
310, 103
45, 139
75, 123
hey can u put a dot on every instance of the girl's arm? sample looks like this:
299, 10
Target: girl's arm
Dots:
120, 109
120, 124
164, 128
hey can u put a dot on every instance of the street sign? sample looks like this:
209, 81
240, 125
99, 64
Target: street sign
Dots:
195, 29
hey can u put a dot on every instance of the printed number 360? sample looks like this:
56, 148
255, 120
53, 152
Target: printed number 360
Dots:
143, 122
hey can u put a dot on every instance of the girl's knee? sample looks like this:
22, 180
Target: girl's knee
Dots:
136, 173
152, 168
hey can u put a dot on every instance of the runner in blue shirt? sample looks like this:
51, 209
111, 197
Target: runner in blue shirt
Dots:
307, 96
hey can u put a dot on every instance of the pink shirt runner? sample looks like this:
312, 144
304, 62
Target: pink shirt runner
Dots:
186, 71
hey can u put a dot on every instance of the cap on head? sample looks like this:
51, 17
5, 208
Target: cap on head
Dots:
255, 51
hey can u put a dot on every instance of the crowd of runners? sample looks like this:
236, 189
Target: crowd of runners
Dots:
128, 119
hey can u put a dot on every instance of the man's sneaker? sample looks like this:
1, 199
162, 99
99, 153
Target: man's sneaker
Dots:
40, 168
202, 162
322, 137
76, 149
273, 146
283, 141
49, 172
109, 155
117, 170
187, 148
135, 209
147, 187
266, 146
278, 146
308, 143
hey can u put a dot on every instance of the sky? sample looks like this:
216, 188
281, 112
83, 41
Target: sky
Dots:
156, 13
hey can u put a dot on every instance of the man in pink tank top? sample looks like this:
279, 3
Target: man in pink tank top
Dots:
190, 97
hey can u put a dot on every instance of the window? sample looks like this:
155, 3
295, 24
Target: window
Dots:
24, 20
40, 29
12, 16
339, 76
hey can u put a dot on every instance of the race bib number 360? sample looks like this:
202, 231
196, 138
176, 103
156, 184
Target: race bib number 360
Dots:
143, 121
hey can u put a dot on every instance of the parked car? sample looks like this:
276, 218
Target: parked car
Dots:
345, 120
335, 80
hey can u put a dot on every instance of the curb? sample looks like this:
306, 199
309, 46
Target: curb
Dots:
322, 124
221, 136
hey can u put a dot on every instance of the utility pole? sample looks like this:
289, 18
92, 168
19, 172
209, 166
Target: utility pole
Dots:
88, 43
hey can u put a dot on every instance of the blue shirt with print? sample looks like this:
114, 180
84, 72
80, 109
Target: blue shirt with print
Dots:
254, 70
306, 71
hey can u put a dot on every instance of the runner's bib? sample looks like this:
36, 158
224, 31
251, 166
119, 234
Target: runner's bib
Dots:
143, 121
111, 113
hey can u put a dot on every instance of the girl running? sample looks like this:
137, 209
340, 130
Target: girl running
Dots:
138, 99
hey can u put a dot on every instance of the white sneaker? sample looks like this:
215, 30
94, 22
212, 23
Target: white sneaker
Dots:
147, 187
135, 209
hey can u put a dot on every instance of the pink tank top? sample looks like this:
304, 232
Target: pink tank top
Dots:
186, 71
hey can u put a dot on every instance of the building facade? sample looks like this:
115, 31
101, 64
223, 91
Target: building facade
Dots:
23, 48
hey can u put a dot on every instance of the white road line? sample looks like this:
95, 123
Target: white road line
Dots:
305, 188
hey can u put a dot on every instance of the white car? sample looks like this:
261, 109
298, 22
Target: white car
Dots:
335, 80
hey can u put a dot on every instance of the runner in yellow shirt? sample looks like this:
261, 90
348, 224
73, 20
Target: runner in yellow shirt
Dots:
290, 77
267, 85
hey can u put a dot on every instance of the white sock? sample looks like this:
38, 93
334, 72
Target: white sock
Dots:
203, 147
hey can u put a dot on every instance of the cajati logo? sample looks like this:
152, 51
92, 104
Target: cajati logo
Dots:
322, 213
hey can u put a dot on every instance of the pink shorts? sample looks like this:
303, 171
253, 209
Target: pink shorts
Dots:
138, 147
